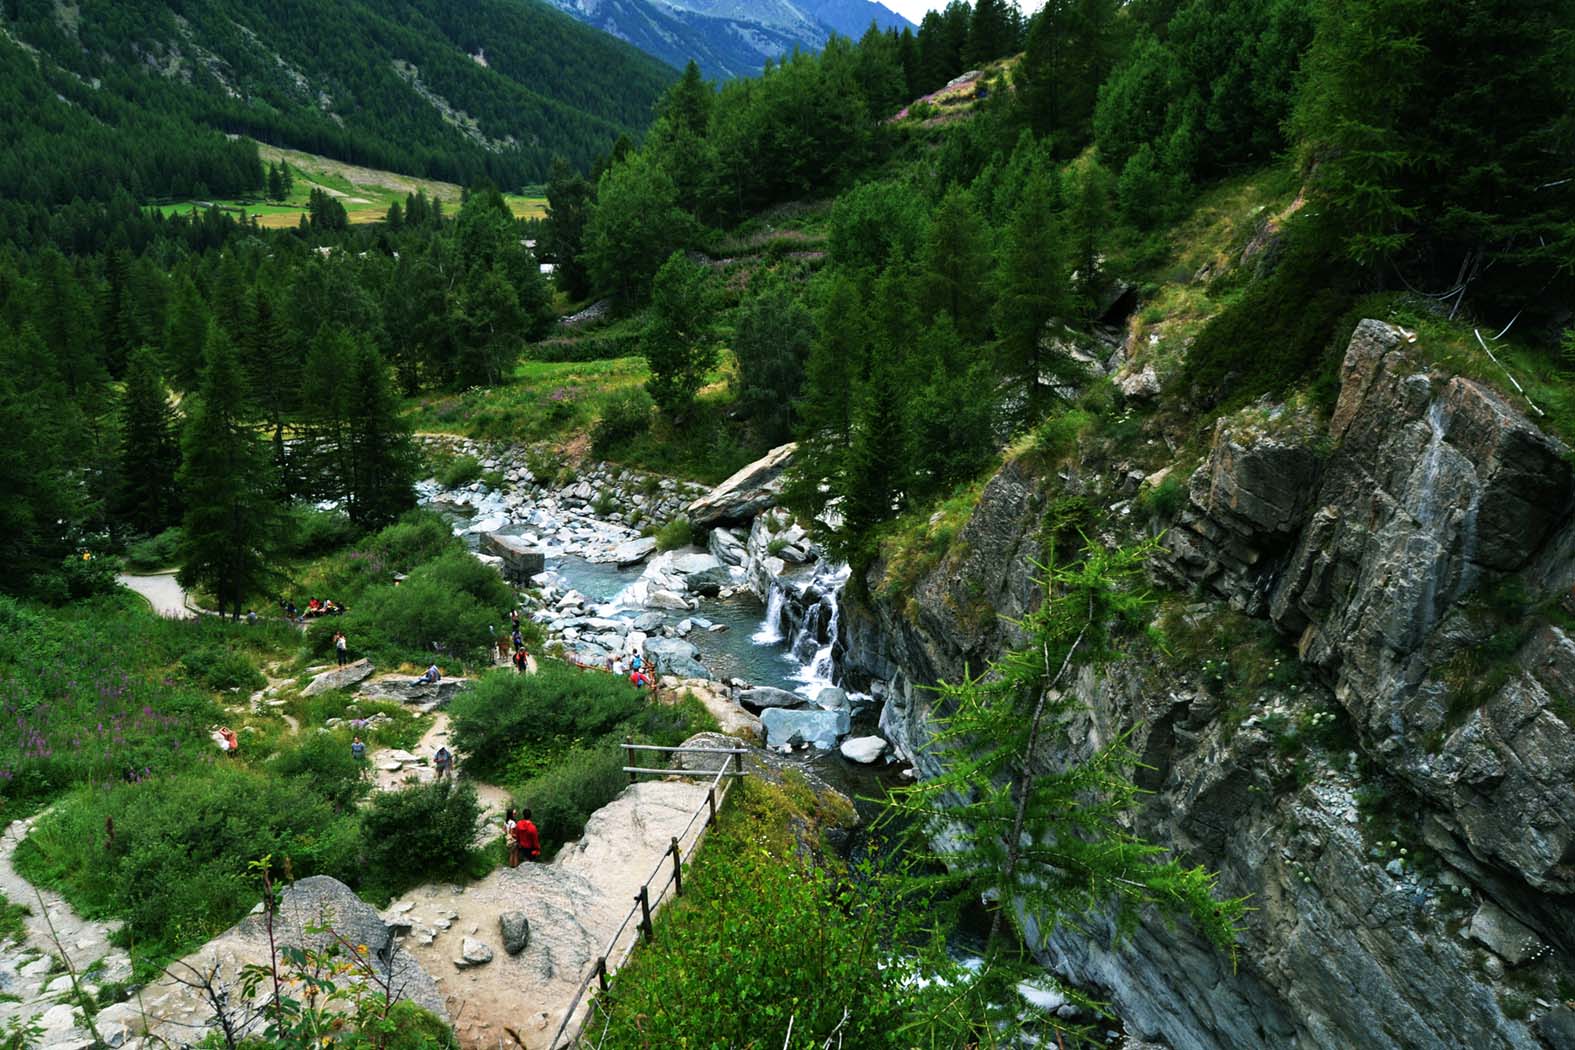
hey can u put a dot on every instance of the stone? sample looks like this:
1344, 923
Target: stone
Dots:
665, 599
522, 558
472, 953
58, 1018
648, 622
762, 697
339, 678
632, 552
516, 931
1503, 935
687, 564
1041, 996
725, 546
113, 1033
708, 583
674, 656
832, 698
820, 728
406, 690
1141, 386
865, 750
748, 492
1557, 1028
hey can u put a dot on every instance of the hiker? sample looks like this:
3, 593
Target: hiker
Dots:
443, 762
638, 679
313, 608
520, 659
329, 608
514, 619
509, 820
341, 648
231, 744
358, 750
519, 639
526, 840
431, 677
291, 611
615, 665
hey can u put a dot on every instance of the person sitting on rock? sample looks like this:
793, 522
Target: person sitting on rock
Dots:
526, 839
313, 608
431, 677
231, 743
443, 762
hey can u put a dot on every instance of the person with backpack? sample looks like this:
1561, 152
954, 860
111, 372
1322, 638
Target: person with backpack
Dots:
527, 841
443, 762
520, 660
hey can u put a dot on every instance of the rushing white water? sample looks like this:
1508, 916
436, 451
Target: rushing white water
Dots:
770, 632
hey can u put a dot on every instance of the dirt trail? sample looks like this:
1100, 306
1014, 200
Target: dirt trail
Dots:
161, 591
573, 904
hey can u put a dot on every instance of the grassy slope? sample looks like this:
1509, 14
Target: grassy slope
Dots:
366, 193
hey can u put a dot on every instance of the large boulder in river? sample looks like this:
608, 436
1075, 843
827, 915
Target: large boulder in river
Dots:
522, 559
675, 656
821, 728
632, 552
339, 678
763, 697
745, 494
709, 583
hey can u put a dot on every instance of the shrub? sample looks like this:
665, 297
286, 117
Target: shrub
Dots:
563, 799
1164, 501
222, 669
176, 868
504, 711
626, 416
457, 471
449, 603
420, 833
312, 532
604, 503
323, 762
493, 479
153, 553
674, 534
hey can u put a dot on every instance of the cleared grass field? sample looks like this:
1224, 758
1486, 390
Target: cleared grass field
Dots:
366, 193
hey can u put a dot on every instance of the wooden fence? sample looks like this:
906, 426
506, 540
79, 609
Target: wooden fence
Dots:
640, 921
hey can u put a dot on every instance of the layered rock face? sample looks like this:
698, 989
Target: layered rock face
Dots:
1412, 553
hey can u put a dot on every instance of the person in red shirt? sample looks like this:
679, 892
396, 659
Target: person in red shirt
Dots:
526, 838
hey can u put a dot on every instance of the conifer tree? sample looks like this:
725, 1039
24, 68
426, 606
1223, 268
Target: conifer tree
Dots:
1033, 290
874, 479
569, 201
233, 512
772, 343
149, 453
381, 460
1072, 45
185, 333
679, 342
957, 265
1051, 843
991, 33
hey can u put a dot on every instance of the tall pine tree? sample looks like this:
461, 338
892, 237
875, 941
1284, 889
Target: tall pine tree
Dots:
233, 511
149, 453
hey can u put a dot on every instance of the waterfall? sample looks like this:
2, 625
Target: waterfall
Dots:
770, 632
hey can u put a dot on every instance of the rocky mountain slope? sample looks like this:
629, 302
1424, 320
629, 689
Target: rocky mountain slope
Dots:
1362, 717
492, 88
729, 38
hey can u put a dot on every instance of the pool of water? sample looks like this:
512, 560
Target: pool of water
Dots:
733, 653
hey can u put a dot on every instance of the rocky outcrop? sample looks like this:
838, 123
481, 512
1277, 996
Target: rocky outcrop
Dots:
339, 678
748, 492
1412, 871
522, 558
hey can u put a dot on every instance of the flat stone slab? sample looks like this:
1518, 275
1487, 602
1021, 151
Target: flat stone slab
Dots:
339, 678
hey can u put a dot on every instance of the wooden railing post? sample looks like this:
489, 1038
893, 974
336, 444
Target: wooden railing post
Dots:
738, 761
628, 754
601, 972
645, 914
678, 868
710, 800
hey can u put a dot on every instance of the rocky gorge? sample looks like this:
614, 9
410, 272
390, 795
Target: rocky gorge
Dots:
1388, 781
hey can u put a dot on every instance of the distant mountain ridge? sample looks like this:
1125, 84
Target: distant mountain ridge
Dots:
453, 89
730, 38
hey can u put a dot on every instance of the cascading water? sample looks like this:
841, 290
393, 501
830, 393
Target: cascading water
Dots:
803, 615
770, 632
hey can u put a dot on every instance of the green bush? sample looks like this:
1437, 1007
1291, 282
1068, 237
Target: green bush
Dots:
450, 602
176, 868
153, 553
1164, 501
493, 479
222, 669
311, 532
675, 534
420, 833
626, 416
457, 471
563, 799
323, 762
504, 711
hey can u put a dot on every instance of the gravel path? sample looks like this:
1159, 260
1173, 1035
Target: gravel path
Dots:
161, 591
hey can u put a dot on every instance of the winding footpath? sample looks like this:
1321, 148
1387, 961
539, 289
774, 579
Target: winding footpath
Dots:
161, 591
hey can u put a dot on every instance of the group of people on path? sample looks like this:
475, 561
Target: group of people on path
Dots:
640, 676
512, 649
523, 838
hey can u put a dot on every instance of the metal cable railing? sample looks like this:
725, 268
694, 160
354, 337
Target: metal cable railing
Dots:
642, 913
